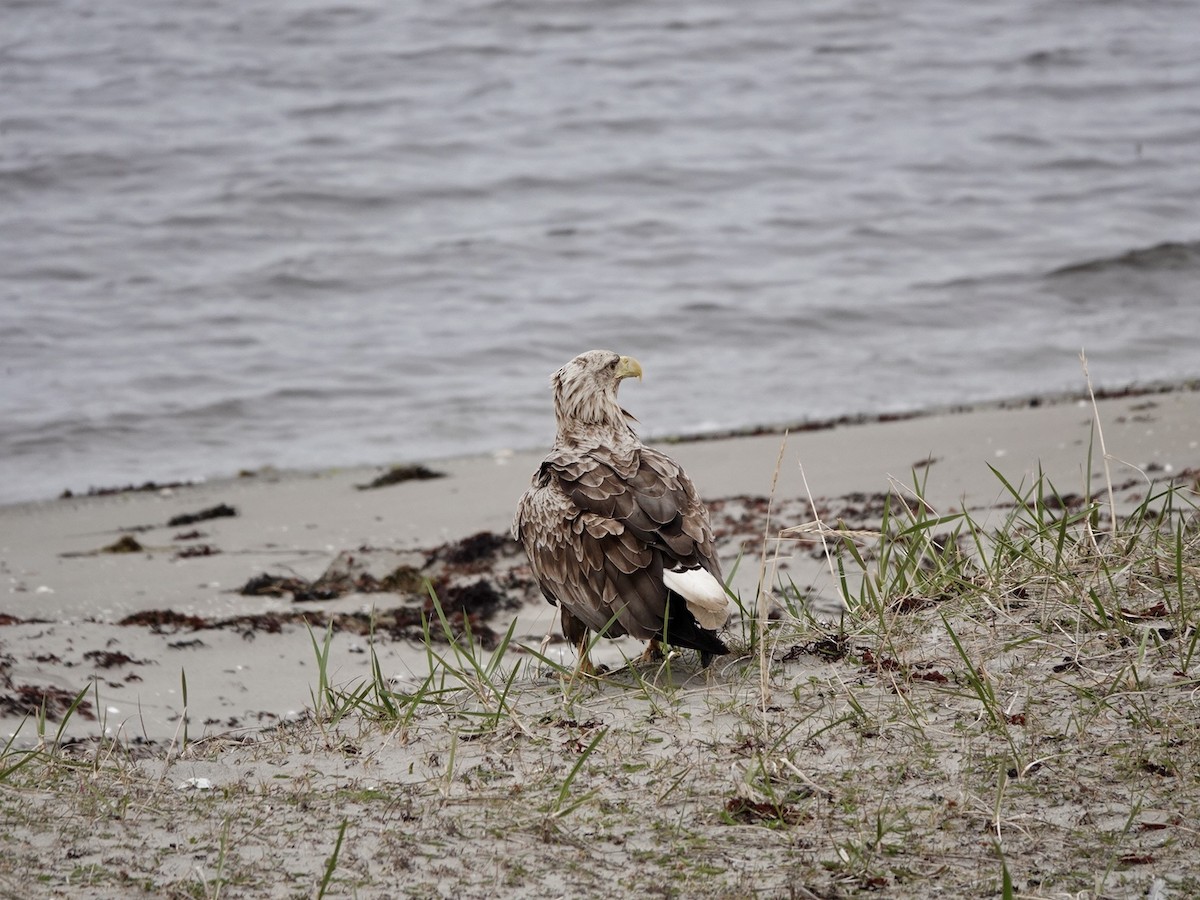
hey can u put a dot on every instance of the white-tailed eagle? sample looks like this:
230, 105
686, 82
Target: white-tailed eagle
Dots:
616, 535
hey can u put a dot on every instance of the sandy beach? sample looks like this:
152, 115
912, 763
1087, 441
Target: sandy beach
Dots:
103, 591
68, 596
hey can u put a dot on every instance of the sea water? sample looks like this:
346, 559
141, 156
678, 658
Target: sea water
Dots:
237, 233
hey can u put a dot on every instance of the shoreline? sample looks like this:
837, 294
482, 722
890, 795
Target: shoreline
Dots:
1021, 401
796, 427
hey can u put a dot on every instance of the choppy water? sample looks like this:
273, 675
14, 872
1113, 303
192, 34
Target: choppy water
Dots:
304, 233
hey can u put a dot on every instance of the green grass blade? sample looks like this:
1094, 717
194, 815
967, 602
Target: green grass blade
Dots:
557, 809
331, 863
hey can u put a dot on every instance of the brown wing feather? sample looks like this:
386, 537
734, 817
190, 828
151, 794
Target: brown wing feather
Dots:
599, 530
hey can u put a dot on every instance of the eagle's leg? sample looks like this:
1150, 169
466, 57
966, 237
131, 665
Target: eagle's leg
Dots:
585, 666
653, 651
575, 631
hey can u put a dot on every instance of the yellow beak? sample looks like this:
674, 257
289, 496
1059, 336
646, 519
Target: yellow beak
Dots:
628, 367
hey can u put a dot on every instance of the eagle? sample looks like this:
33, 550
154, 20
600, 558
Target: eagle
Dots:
616, 535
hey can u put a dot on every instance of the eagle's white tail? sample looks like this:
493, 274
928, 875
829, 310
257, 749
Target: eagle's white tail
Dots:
705, 596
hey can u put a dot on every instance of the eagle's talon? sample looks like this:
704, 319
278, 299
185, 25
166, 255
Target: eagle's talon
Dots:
653, 652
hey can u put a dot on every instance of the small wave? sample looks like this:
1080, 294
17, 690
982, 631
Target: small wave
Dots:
14, 125
849, 48
1077, 164
36, 175
52, 273
294, 281
343, 108
1169, 255
192, 220
316, 198
321, 20
1060, 56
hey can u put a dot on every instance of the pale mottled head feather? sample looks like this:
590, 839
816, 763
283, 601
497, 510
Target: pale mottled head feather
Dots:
585, 401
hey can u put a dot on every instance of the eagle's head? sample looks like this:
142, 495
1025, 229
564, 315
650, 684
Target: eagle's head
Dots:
585, 393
